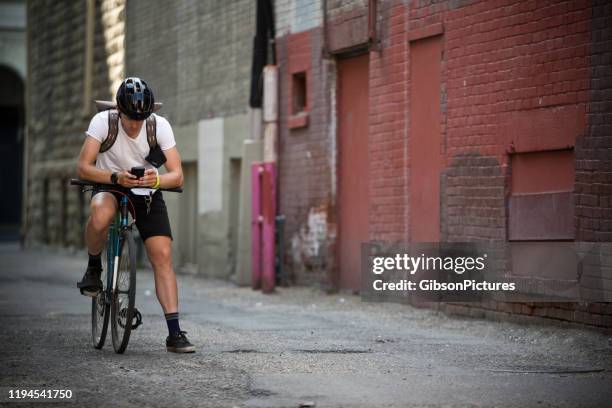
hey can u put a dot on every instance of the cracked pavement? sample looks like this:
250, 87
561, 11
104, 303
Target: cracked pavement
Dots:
297, 347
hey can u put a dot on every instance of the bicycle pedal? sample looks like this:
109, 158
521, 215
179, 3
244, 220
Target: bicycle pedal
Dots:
89, 293
138, 318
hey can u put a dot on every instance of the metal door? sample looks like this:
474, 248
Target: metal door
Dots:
353, 167
425, 139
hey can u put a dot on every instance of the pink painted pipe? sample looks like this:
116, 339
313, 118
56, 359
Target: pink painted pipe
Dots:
256, 172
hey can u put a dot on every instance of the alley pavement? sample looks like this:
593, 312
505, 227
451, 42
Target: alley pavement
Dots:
296, 348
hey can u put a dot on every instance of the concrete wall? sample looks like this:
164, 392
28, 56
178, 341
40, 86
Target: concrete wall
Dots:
195, 54
56, 119
296, 16
197, 58
220, 141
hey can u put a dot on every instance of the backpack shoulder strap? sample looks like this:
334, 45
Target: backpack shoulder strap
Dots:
113, 129
151, 131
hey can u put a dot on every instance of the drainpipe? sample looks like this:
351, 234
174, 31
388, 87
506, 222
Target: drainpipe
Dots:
324, 48
372, 26
263, 174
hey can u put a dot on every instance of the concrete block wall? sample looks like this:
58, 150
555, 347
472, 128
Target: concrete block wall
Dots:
347, 24
195, 54
151, 41
197, 58
55, 119
295, 16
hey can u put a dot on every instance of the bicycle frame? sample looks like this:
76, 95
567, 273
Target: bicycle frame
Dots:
114, 245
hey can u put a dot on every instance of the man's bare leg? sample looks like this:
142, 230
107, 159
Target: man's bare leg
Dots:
159, 249
102, 210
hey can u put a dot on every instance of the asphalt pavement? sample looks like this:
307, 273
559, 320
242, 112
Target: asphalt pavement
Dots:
297, 347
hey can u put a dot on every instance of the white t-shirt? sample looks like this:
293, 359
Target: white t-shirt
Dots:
127, 152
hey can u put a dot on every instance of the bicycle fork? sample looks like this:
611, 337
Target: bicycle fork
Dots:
112, 258
121, 222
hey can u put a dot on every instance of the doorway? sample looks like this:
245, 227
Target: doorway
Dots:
188, 219
234, 213
353, 168
425, 139
11, 152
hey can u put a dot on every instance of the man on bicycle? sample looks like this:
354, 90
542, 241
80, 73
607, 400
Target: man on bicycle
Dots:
135, 103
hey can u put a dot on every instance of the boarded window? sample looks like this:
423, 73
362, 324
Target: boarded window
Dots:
541, 205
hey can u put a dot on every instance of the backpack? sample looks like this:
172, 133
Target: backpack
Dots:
113, 125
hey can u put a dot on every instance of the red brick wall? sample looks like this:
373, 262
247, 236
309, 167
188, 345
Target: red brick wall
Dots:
517, 77
305, 183
389, 87
594, 151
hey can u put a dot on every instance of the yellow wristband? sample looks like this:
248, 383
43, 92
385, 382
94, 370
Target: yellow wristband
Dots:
157, 183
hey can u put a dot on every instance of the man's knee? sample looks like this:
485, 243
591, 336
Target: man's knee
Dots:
102, 211
161, 255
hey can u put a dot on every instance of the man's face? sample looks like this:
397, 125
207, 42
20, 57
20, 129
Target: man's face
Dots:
131, 126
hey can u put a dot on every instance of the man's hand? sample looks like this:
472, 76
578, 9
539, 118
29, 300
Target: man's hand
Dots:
127, 179
149, 179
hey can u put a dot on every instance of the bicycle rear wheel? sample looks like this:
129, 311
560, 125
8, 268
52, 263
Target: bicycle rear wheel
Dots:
100, 306
124, 294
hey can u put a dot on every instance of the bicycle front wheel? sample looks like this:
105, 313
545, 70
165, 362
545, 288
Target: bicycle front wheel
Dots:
124, 294
100, 306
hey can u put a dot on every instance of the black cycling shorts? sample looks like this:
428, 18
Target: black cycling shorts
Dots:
156, 222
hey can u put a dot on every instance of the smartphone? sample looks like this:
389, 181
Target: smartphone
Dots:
138, 171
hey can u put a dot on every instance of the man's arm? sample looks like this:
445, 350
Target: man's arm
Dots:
173, 178
87, 170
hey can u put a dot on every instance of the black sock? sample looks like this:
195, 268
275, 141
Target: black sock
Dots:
172, 319
95, 261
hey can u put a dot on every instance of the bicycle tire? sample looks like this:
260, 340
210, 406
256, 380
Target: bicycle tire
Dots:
124, 292
100, 307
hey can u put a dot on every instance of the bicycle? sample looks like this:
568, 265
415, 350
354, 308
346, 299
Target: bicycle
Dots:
118, 295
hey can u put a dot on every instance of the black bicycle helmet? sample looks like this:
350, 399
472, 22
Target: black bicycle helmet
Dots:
135, 98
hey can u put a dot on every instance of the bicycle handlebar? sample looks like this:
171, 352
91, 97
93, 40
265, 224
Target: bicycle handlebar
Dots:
78, 182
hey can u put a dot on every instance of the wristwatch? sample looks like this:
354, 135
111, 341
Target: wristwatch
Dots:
114, 178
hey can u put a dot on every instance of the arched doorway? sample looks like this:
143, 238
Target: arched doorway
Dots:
11, 152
